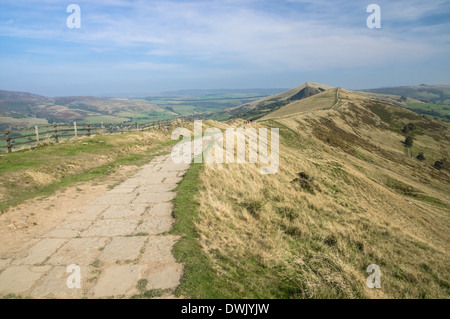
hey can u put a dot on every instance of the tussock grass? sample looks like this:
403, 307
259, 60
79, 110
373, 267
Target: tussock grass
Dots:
320, 101
262, 236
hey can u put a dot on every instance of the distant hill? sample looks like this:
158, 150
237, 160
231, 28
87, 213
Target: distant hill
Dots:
319, 101
426, 93
194, 93
23, 110
259, 108
390, 98
348, 192
20, 109
301, 99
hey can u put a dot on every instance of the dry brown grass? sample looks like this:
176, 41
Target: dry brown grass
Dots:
269, 237
324, 100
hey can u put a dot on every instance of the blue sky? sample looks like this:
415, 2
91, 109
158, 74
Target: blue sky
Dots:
138, 46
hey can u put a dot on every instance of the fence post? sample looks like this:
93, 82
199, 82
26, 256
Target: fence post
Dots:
56, 132
137, 126
121, 127
75, 129
8, 141
89, 129
102, 127
36, 131
110, 128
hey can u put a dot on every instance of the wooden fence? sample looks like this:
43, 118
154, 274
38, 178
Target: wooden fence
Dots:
10, 140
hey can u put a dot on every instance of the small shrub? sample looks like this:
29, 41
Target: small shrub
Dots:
142, 285
253, 206
306, 182
331, 240
420, 157
408, 141
440, 164
408, 128
292, 230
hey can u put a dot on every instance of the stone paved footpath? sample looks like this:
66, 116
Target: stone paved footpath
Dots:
116, 241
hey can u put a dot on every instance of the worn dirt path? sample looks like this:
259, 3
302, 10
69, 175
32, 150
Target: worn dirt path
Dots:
118, 239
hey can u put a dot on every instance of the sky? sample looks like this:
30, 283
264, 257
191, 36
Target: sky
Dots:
144, 47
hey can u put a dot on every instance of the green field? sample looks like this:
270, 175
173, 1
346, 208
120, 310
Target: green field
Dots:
439, 111
24, 111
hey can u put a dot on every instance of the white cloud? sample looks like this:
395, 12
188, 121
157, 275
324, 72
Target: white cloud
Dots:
235, 36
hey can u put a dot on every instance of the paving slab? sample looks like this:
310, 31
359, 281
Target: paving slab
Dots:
75, 223
156, 249
118, 280
165, 277
91, 212
4, 263
62, 233
123, 211
122, 249
154, 198
155, 225
162, 209
54, 284
114, 199
41, 251
99, 235
161, 188
123, 189
111, 227
158, 178
19, 279
79, 251
170, 166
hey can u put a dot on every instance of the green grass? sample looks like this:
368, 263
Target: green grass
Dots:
381, 111
288, 135
106, 119
440, 111
57, 158
407, 190
14, 296
200, 279
148, 294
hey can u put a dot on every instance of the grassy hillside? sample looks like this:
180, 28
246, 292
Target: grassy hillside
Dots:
22, 110
425, 93
261, 107
324, 100
349, 193
437, 111
390, 98
53, 166
431, 101
362, 198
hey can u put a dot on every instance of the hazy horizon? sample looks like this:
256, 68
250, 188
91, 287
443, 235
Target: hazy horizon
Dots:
147, 47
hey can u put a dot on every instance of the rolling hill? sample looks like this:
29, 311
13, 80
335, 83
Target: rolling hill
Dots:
260, 107
429, 100
439, 94
20, 109
349, 193
422, 99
